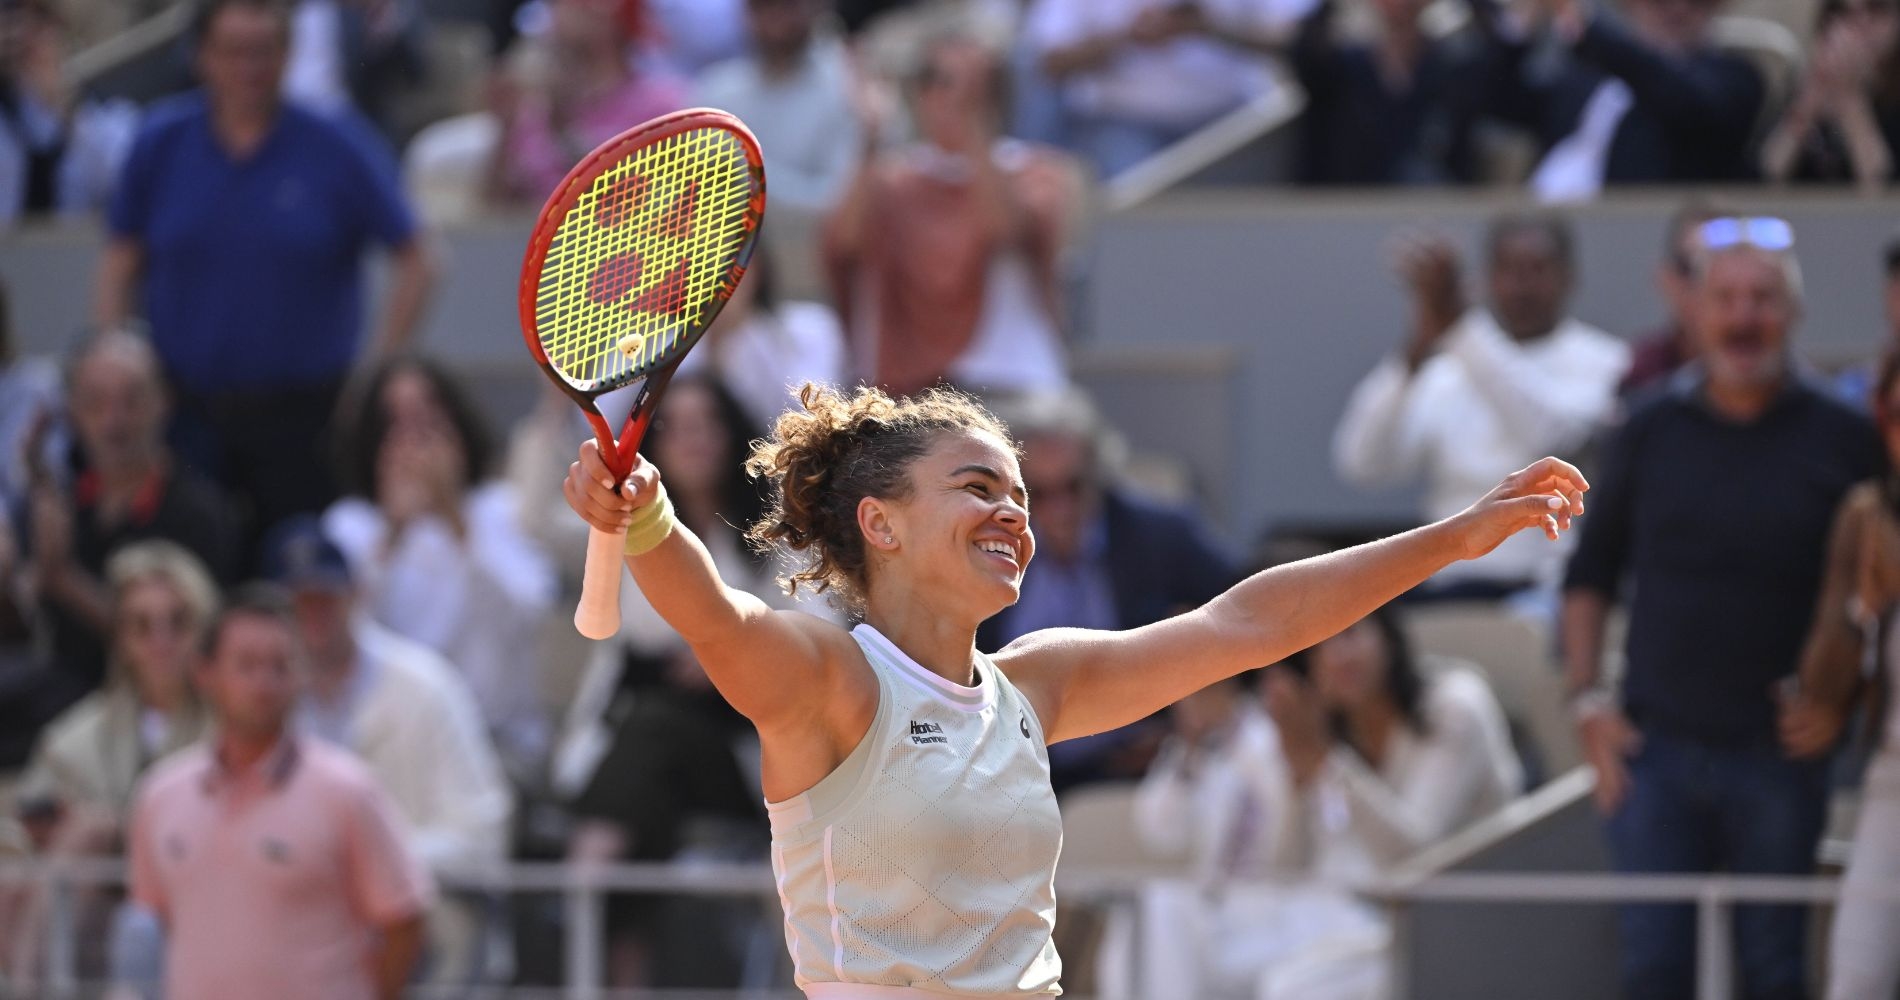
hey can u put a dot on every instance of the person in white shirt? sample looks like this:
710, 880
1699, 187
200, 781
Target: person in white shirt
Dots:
409, 715
436, 545
1473, 393
793, 89
1137, 75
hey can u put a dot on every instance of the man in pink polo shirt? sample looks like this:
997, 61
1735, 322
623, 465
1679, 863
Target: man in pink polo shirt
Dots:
274, 862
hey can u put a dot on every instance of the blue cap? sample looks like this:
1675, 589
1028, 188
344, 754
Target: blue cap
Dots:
299, 555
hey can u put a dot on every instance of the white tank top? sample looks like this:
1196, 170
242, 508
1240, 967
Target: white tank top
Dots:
926, 861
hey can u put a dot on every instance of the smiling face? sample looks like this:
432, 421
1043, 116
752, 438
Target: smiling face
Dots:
1744, 310
961, 538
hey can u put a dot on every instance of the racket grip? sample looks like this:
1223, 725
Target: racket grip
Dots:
598, 615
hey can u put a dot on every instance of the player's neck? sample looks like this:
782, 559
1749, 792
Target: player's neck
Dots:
936, 641
241, 127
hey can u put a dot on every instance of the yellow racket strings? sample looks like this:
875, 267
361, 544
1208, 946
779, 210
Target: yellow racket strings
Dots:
638, 258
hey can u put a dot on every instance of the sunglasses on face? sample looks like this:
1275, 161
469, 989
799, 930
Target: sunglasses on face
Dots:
1761, 232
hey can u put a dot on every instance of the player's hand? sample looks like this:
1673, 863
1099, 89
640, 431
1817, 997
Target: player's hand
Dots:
1608, 740
1544, 495
589, 489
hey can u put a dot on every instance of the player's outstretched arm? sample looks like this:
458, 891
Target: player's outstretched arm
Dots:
1090, 681
764, 662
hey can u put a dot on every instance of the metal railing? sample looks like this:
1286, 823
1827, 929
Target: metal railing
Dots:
584, 887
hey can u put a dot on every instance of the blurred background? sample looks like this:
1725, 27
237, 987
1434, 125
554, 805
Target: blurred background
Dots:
1252, 279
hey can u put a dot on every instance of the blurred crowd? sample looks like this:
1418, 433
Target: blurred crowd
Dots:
314, 550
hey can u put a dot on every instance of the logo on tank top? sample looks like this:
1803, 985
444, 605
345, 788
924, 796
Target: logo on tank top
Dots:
1025, 724
926, 732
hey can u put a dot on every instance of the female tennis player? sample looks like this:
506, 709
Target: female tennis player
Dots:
914, 832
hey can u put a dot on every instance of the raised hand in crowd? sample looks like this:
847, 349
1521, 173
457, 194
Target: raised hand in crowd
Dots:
1433, 275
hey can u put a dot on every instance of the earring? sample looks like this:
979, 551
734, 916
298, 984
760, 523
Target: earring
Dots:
890, 540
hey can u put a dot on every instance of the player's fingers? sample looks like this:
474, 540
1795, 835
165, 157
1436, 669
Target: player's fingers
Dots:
1554, 469
585, 503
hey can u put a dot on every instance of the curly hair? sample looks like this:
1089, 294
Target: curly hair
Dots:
834, 450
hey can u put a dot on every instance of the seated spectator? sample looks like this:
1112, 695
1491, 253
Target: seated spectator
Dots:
1844, 124
945, 254
761, 349
1855, 384
1137, 75
435, 544
76, 793
793, 88
1650, 101
657, 765
406, 712
326, 899
59, 150
30, 443
1105, 559
1477, 393
128, 488
1657, 354
240, 231
1367, 758
584, 85
1414, 753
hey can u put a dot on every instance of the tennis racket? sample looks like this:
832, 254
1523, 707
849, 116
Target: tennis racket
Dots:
633, 255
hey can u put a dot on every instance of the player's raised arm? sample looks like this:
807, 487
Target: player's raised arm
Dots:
762, 661
1093, 681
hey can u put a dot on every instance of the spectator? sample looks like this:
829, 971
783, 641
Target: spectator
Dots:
699, 33
945, 255
30, 408
793, 88
1657, 354
1654, 101
1137, 75
129, 488
1861, 589
1844, 123
1474, 393
59, 151
760, 348
659, 766
1105, 560
327, 902
1690, 776
585, 86
402, 709
1855, 384
239, 229
1370, 755
83, 772
1415, 754
1396, 110
77, 790
435, 544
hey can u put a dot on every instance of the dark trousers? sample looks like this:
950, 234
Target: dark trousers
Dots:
1694, 807
270, 449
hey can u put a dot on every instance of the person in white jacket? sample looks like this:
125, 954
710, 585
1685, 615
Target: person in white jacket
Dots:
409, 715
1475, 392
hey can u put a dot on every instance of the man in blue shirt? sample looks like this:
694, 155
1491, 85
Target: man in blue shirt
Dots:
239, 230
1711, 515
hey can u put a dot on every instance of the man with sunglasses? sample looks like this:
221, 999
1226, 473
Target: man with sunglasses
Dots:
1710, 514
